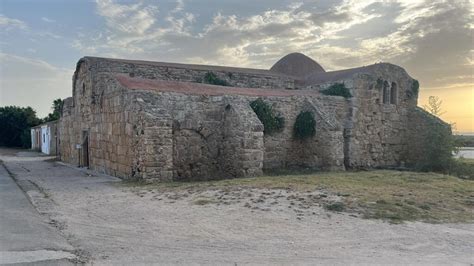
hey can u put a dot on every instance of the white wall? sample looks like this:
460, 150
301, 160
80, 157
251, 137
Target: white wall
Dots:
45, 139
33, 139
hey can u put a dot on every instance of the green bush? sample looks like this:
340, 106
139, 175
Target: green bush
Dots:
211, 78
271, 122
338, 89
335, 206
464, 140
439, 145
462, 168
305, 125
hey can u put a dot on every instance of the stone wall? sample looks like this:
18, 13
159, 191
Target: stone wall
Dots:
95, 119
199, 137
236, 77
324, 150
374, 127
188, 131
243, 146
156, 135
221, 137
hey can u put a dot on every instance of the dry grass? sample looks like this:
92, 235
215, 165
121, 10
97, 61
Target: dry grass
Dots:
390, 195
204, 201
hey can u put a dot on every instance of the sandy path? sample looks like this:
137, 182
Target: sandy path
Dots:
113, 224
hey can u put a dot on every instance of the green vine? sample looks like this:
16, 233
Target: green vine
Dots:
415, 87
211, 78
305, 125
271, 122
338, 89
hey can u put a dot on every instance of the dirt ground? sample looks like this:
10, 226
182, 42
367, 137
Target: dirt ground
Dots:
109, 222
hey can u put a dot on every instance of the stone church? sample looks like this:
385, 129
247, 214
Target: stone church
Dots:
165, 121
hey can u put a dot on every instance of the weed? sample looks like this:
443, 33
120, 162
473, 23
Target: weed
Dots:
335, 206
203, 201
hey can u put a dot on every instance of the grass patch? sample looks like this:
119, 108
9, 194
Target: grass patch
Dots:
462, 168
389, 195
203, 201
335, 206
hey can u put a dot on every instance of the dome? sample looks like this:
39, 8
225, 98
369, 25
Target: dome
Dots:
297, 64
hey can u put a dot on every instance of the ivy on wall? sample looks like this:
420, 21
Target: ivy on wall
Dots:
415, 87
337, 89
211, 78
305, 125
272, 123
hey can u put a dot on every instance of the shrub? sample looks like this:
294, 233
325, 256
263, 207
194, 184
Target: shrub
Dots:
335, 206
439, 145
271, 122
462, 168
464, 140
211, 78
305, 125
338, 89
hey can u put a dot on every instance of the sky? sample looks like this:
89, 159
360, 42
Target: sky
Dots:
41, 41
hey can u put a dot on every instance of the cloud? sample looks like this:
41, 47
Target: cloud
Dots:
7, 23
130, 19
45, 19
441, 43
430, 39
31, 82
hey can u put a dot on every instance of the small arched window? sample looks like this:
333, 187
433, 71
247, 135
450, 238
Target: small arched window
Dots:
83, 88
386, 93
394, 93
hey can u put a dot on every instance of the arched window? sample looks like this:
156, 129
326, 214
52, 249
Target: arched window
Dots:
386, 93
394, 93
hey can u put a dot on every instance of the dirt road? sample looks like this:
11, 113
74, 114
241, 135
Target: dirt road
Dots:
109, 223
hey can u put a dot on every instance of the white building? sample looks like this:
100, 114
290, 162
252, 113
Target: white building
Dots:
44, 138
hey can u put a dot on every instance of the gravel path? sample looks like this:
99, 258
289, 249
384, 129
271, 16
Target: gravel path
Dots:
109, 223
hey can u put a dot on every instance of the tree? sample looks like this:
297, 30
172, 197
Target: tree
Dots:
434, 106
56, 107
439, 143
15, 126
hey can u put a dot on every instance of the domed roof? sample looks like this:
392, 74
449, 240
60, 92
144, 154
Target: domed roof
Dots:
297, 64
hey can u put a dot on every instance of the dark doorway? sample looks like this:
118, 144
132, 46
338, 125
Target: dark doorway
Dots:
85, 148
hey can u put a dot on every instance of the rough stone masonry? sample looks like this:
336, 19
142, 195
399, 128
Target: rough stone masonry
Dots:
159, 121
